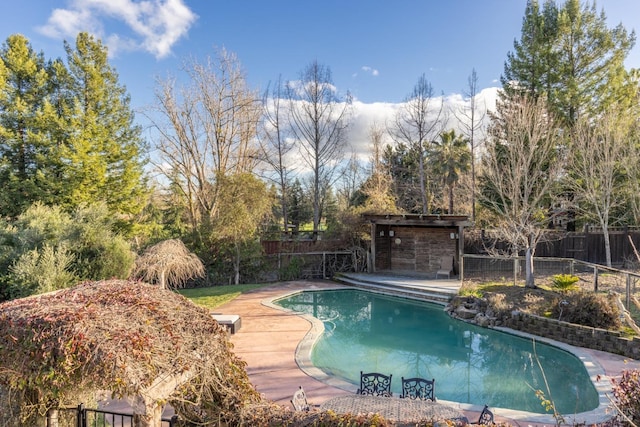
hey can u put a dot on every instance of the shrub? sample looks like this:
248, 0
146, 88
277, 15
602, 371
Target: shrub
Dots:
293, 269
588, 309
564, 282
626, 392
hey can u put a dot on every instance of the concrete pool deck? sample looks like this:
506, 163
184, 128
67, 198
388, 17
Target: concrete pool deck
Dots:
270, 339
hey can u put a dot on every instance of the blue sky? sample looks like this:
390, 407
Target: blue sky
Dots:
376, 49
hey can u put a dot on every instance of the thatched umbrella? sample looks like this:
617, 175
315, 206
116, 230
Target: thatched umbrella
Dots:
133, 339
169, 263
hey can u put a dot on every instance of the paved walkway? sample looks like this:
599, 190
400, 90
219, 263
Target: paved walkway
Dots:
269, 338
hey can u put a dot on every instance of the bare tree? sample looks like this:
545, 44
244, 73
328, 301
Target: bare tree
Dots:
522, 167
349, 182
471, 118
417, 122
276, 144
206, 129
600, 149
169, 263
377, 188
319, 119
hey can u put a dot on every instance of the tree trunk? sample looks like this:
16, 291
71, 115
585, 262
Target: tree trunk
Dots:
607, 244
236, 266
450, 199
529, 281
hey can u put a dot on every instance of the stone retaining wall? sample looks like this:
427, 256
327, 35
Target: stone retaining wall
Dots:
578, 335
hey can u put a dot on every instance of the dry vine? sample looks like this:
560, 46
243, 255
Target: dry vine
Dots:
130, 338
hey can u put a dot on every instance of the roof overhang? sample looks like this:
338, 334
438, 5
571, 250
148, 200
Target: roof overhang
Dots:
417, 220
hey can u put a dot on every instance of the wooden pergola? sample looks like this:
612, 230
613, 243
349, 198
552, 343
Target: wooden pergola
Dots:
413, 243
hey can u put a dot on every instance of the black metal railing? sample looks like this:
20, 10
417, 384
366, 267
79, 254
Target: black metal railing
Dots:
85, 417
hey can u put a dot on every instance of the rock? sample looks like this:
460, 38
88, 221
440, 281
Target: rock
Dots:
481, 320
466, 313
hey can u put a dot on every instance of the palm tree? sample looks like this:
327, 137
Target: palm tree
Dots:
450, 157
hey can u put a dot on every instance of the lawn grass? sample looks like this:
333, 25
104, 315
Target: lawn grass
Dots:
215, 296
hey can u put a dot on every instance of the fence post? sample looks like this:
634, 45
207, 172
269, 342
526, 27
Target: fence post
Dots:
595, 279
52, 417
279, 265
82, 416
628, 291
324, 265
572, 267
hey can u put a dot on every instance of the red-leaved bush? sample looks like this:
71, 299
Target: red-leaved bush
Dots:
626, 391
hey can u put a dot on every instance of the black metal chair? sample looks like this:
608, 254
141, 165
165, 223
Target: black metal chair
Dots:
486, 417
299, 400
375, 384
419, 389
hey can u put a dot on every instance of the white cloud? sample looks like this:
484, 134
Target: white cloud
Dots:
156, 25
383, 114
370, 70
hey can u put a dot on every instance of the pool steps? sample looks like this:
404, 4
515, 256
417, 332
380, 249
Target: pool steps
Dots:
428, 290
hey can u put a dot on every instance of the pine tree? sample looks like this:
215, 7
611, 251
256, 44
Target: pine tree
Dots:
104, 151
591, 62
22, 146
570, 56
532, 66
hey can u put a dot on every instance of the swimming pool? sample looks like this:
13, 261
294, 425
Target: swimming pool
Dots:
373, 332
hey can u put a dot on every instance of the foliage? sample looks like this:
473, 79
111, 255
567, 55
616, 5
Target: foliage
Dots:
214, 296
271, 415
569, 56
104, 148
402, 163
626, 391
130, 338
168, 263
416, 124
564, 282
67, 131
207, 129
588, 309
44, 270
470, 291
449, 158
292, 269
46, 249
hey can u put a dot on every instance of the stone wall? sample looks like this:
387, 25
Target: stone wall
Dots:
578, 335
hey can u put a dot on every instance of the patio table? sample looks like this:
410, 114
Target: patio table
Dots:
392, 408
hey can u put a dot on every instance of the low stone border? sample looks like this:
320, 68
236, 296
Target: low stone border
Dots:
578, 335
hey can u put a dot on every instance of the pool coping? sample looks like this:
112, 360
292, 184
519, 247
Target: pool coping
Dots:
596, 372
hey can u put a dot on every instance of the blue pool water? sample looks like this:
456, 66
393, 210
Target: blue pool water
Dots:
367, 332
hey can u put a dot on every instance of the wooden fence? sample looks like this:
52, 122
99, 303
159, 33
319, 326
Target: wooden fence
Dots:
585, 246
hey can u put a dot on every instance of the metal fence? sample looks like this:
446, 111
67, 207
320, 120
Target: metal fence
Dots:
315, 265
593, 277
85, 417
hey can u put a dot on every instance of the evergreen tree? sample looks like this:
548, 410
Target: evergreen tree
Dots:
22, 146
532, 66
570, 56
104, 151
591, 62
